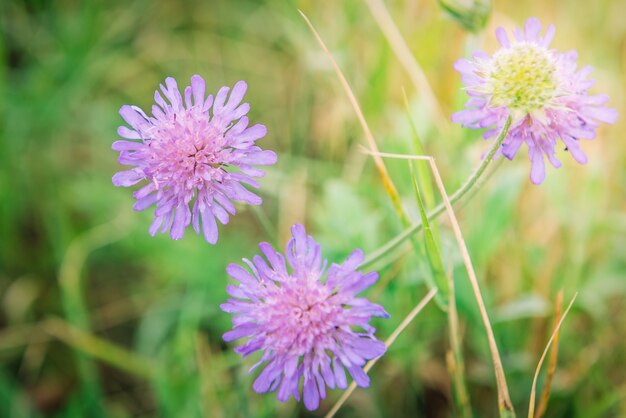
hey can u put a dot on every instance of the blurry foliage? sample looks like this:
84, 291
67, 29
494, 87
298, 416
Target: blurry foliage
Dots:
471, 14
68, 66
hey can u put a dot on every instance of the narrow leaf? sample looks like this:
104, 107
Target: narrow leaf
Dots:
432, 249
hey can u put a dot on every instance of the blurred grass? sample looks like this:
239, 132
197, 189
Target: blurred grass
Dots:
68, 66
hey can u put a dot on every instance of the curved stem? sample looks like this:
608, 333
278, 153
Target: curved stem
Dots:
380, 165
405, 322
439, 209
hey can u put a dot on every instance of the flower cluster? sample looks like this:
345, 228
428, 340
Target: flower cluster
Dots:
197, 154
302, 321
185, 151
541, 89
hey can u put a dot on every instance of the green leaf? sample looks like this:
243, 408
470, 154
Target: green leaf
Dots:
423, 174
433, 251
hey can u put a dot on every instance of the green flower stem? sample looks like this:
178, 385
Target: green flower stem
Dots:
439, 209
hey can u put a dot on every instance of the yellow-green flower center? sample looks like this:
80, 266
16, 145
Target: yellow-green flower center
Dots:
522, 78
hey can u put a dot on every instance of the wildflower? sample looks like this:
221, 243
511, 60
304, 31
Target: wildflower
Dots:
301, 322
187, 151
540, 88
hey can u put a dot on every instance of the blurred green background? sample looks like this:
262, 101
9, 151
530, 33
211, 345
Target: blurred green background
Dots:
99, 319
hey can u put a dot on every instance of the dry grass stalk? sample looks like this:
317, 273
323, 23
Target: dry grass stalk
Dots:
407, 59
380, 165
405, 322
553, 338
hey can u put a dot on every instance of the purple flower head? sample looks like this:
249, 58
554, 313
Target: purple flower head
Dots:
543, 91
187, 151
302, 322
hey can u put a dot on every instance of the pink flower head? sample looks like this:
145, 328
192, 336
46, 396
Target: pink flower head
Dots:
302, 322
187, 151
543, 91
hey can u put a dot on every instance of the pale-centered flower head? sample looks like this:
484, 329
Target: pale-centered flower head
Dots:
195, 154
542, 90
307, 320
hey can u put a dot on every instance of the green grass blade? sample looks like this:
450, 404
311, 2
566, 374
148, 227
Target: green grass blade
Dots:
433, 251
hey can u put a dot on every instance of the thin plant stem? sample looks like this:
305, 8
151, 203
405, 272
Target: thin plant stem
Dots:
504, 401
455, 362
70, 271
74, 260
439, 209
405, 322
75, 309
407, 59
380, 165
554, 355
98, 348
418, 148
553, 337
